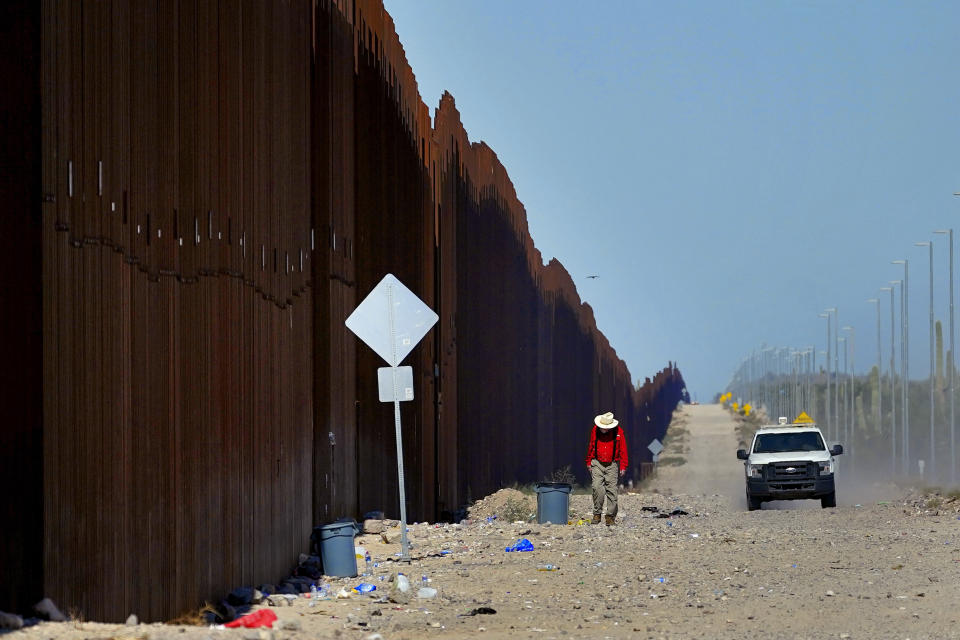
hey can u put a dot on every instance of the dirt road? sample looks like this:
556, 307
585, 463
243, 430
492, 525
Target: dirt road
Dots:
710, 449
888, 568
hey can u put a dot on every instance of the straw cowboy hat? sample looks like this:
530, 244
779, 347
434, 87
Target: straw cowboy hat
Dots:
606, 420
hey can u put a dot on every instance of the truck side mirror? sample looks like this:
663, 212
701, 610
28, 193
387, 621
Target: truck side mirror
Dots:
836, 450
742, 454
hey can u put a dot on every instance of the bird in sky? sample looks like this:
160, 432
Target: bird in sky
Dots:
591, 277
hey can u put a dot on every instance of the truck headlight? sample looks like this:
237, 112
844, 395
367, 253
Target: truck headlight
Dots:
826, 467
755, 470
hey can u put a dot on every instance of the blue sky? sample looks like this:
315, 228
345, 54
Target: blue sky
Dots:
728, 169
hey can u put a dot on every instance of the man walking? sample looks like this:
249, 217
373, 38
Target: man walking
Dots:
607, 462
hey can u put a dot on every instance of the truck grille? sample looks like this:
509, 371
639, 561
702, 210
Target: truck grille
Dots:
791, 470
790, 476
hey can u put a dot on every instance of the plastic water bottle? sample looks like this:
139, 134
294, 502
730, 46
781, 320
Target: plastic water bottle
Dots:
424, 580
547, 567
324, 591
369, 564
314, 593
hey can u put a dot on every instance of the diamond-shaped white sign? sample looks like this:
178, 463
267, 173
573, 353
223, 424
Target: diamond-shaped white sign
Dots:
391, 320
655, 447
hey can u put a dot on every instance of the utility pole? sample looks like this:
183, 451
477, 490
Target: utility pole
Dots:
905, 360
893, 376
827, 401
836, 373
879, 366
840, 435
932, 461
951, 372
851, 388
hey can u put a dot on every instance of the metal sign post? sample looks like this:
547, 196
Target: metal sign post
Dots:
404, 543
407, 320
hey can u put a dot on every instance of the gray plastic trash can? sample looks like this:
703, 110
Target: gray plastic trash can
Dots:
553, 502
336, 549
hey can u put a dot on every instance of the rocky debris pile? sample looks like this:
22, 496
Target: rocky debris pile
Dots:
46, 610
507, 505
931, 503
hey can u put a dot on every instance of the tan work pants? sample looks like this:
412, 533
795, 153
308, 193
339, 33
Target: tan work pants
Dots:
604, 476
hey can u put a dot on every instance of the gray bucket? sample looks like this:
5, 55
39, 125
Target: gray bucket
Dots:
336, 549
553, 502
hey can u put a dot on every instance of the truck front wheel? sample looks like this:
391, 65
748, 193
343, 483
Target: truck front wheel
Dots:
828, 501
753, 503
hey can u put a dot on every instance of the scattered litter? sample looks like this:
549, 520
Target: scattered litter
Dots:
547, 567
679, 512
365, 587
694, 535
521, 545
661, 580
652, 509
343, 593
426, 592
260, 618
479, 611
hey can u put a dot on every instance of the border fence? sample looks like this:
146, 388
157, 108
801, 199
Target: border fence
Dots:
208, 191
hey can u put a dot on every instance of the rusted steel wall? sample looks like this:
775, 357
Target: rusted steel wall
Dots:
372, 206
177, 314
21, 428
531, 369
394, 192
222, 184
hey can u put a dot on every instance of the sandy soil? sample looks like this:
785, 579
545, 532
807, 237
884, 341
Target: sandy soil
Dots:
887, 568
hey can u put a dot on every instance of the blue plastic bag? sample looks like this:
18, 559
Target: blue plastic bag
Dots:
521, 545
365, 587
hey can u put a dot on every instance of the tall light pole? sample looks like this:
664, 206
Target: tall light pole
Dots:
839, 435
905, 360
827, 390
826, 398
953, 439
851, 390
835, 420
876, 301
893, 388
933, 466
953, 426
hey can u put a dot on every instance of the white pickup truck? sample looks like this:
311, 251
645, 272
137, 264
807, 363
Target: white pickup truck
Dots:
789, 462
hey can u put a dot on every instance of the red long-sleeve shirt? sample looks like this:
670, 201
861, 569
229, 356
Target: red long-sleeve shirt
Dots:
602, 446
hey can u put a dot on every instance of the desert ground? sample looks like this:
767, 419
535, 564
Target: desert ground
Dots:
884, 564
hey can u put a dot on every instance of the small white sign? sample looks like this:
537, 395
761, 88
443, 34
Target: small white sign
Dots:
655, 447
404, 386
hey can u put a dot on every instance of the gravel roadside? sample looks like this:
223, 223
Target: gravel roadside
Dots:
887, 568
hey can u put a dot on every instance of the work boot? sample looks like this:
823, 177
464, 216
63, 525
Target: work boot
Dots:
596, 519
609, 520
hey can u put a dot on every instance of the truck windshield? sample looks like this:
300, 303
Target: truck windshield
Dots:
782, 442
